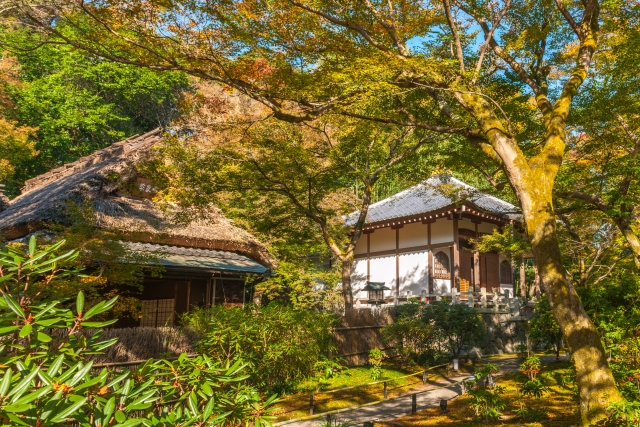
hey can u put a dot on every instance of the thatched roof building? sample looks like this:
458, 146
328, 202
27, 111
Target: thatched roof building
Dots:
98, 179
108, 182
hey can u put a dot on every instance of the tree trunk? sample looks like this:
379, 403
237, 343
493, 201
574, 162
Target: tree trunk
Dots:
594, 378
631, 238
347, 292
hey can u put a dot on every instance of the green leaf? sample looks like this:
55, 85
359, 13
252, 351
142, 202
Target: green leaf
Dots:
22, 385
101, 307
32, 245
80, 303
26, 330
120, 416
61, 416
98, 325
14, 306
7, 329
42, 337
33, 396
108, 410
48, 322
17, 408
55, 366
4, 384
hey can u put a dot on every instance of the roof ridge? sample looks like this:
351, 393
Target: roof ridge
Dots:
108, 153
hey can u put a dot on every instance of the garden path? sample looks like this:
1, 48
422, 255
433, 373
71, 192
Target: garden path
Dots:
444, 388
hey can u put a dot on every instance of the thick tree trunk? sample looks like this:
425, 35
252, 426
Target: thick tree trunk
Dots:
347, 292
594, 378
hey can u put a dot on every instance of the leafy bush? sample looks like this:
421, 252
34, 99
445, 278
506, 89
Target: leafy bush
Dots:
279, 345
544, 328
459, 327
530, 367
45, 385
485, 401
375, 361
411, 338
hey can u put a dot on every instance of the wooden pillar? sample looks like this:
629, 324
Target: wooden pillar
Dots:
476, 265
213, 297
523, 286
368, 257
456, 255
398, 262
207, 295
430, 259
188, 294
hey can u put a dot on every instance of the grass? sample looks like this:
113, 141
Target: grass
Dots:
297, 405
557, 408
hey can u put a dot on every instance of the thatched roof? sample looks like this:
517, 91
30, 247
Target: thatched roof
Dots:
96, 180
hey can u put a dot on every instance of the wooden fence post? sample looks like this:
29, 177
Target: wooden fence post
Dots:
414, 404
424, 377
311, 405
385, 390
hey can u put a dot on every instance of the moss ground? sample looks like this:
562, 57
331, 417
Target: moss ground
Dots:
297, 405
557, 408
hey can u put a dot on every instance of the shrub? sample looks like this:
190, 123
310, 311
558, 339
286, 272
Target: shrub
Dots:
410, 337
375, 361
459, 327
485, 402
544, 328
45, 385
279, 345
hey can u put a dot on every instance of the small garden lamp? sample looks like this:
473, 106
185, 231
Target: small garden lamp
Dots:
375, 291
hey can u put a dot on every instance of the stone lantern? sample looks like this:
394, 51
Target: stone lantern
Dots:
375, 291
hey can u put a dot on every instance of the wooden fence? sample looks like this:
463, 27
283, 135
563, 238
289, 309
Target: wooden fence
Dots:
360, 332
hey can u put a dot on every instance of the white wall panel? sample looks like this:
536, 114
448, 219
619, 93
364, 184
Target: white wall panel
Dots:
383, 239
359, 278
414, 273
361, 246
486, 227
383, 269
441, 285
415, 234
442, 231
466, 223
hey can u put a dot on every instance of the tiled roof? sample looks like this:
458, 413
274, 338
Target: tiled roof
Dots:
208, 259
437, 192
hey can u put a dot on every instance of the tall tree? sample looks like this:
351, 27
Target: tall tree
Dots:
602, 172
295, 181
507, 91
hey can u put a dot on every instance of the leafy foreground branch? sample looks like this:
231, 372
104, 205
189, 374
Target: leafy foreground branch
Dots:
47, 378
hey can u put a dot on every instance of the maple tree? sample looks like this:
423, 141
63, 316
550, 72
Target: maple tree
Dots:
499, 76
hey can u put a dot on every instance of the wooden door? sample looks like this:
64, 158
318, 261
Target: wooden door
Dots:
466, 273
489, 271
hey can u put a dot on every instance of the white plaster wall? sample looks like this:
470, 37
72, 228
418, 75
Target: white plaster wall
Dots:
442, 231
383, 269
486, 227
361, 246
414, 273
416, 234
466, 223
383, 239
359, 278
442, 285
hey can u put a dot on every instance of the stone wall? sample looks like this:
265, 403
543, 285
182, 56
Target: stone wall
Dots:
504, 332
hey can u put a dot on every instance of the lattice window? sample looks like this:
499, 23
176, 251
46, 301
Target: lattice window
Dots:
157, 312
506, 276
441, 266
